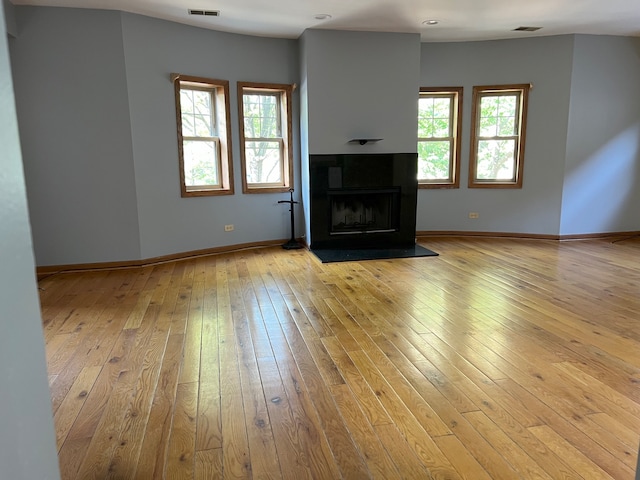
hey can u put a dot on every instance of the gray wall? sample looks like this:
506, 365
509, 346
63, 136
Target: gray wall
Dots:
10, 18
357, 85
27, 439
304, 138
73, 112
544, 62
581, 167
361, 85
153, 50
99, 135
601, 190
96, 112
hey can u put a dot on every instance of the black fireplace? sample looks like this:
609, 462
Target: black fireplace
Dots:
363, 200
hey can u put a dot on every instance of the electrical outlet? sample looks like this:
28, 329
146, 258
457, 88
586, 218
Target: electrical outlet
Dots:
228, 228
474, 214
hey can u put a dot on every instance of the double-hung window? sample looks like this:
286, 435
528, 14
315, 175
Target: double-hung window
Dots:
265, 137
204, 136
499, 115
439, 117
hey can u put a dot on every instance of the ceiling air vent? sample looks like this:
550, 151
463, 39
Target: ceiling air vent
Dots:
206, 13
526, 29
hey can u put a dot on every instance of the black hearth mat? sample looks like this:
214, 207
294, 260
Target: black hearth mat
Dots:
355, 255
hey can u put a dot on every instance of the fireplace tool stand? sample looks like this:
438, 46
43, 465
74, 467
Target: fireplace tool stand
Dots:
292, 244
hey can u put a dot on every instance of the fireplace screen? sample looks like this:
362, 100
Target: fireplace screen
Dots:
364, 211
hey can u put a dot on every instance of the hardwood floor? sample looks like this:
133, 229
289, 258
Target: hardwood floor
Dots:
499, 359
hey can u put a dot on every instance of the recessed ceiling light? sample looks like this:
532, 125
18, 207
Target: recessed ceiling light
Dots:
430, 22
322, 16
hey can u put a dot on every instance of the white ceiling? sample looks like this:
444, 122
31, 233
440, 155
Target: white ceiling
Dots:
458, 20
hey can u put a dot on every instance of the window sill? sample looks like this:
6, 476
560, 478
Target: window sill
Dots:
279, 189
206, 193
437, 186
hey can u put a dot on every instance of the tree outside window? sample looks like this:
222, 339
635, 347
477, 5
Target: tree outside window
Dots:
200, 138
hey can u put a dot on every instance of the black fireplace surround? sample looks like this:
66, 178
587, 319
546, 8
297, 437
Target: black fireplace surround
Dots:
363, 200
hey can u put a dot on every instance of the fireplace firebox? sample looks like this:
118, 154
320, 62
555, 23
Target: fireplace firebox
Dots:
364, 211
363, 200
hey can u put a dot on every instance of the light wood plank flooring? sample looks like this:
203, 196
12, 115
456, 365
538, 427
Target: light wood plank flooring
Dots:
499, 359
